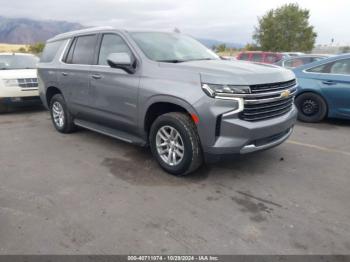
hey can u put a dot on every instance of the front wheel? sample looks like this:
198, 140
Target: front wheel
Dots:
175, 143
311, 107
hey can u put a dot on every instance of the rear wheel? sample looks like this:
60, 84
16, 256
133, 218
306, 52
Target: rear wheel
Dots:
175, 143
311, 107
61, 117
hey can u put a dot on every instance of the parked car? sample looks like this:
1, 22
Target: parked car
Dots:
293, 54
231, 58
18, 80
165, 90
324, 89
261, 57
293, 62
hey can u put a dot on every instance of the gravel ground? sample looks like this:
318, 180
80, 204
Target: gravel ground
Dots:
85, 193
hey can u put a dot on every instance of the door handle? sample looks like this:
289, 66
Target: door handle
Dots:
64, 73
96, 76
329, 83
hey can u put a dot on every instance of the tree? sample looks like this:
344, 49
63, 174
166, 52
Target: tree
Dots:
251, 47
36, 48
345, 49
285, 29
221, 48
22, 50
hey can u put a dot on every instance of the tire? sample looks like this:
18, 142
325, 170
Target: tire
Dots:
187, 139
65, 124
312, 107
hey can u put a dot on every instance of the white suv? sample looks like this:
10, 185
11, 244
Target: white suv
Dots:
18, 80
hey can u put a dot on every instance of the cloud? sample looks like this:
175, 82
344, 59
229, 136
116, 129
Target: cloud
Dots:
228, 20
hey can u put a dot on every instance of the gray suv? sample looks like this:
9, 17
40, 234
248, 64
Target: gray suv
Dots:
165, 90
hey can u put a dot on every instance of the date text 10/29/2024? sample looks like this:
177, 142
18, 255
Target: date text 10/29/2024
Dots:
173, 258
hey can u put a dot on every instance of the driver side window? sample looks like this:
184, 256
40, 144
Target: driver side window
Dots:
338, 67
112, 43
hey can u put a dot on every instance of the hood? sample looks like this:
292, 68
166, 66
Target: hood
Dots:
235, 72
18, 73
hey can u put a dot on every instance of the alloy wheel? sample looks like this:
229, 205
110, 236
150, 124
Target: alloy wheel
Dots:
58, 114
170, 146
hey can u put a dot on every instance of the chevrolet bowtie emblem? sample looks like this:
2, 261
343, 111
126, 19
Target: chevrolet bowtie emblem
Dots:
285, 94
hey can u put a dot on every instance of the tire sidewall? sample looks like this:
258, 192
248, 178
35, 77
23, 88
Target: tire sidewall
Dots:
185, 163
59, 98
319, 116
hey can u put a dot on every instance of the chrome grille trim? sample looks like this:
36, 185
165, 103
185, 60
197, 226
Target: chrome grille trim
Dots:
28, 83
268, 101
272, 87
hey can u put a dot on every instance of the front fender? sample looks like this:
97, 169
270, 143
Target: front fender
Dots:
162, 99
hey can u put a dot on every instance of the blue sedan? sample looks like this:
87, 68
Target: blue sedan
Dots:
324, 89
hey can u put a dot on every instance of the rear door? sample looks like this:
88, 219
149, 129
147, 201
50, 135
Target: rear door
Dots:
75, 74
114, 92
334, 80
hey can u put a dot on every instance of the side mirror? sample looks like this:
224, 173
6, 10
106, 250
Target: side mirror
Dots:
122, 61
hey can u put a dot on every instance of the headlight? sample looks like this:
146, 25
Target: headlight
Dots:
222, 91
10, 82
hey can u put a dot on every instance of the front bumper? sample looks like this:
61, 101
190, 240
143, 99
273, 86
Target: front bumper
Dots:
21, 101
241, 137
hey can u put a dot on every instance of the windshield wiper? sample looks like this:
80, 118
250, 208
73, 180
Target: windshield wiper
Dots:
205, 59
171, 61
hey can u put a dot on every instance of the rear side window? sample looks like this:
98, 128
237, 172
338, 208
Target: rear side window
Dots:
82, 50
50, 51
112, 44
257, 58
338, 67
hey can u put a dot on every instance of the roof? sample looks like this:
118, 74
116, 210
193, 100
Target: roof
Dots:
99, 29
261, 52
78, 32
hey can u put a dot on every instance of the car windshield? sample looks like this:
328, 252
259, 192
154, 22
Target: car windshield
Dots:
172, 47
11, 62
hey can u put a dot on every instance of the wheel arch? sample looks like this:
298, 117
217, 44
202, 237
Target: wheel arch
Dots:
312, 91
159, 105
50, 92
304, 91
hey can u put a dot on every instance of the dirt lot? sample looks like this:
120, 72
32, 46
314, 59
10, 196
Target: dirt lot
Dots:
86, 193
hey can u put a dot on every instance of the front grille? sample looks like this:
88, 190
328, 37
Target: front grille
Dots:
268, 101
272, 87
27, 83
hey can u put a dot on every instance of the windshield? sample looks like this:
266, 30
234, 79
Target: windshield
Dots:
10, 62
172, 47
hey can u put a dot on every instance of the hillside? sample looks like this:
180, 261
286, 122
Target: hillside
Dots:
211, 42
10, 47
28, 31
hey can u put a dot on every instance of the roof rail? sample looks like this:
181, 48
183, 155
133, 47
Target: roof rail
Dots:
82, 31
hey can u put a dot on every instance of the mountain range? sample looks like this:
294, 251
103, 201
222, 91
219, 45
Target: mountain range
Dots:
29, 31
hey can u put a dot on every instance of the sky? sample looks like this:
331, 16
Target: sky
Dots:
225, 20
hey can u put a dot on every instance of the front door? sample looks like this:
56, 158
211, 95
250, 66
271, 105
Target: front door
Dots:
114, 92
